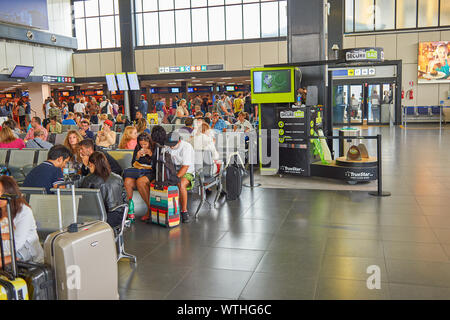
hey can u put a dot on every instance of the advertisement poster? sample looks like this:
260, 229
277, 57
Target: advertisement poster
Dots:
434, 62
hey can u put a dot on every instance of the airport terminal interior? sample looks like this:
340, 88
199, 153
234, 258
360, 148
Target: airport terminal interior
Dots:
225, 149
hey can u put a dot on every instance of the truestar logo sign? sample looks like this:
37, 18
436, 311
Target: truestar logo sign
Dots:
359, 175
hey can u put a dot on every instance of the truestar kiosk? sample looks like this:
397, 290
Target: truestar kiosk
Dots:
293, 124
285, 120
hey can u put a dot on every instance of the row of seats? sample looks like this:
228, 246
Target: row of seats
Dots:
90, 207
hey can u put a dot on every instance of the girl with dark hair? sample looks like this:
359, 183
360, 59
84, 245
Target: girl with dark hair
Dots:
110, 185
27, 243
141, 166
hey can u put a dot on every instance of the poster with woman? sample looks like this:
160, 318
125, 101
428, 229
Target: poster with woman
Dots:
434, 62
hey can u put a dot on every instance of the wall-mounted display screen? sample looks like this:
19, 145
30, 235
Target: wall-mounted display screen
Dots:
272, 81
275, 85
30, 13
229, 88
122, 81
133, 80
175, 90
21, 72
434, 62
65, 93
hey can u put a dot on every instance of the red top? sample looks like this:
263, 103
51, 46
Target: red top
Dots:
131, 144
18, 143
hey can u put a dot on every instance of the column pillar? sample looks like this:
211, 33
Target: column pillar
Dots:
38, 93
127, 36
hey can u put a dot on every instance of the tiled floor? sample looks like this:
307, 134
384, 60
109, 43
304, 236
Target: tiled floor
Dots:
303, 244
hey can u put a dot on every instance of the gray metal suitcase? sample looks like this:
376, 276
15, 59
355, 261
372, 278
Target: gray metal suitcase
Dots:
84, 259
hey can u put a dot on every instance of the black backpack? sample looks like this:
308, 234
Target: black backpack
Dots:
166, 173
105, 108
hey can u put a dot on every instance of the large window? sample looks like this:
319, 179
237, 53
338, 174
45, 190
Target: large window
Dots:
378, 15
97, 25
186, 21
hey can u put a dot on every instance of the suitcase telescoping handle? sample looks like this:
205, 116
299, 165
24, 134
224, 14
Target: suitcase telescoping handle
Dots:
15, 272
74, 207
158, 153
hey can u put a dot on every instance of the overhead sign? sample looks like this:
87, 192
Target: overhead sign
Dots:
58, 79
196, 68
122, 81
355, 73
364, 54
133, 80
111, 82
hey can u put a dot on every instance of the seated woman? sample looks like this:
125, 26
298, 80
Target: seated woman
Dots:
106, 137
71, 142
102, 118
110, 185
122, 119
26, 238
141, 167
129, 138
242, 124
9, 140
204, 140
54, 126
141, 126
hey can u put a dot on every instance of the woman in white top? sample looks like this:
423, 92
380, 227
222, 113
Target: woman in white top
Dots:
182, 110
243, 125
203, 139
26, 238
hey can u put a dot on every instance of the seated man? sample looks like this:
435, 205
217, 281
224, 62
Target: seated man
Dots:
188, 129
183, 157
49, 172
84, 130
218, 124
87, 147
36, 124
138, 116
38, 141
69, 120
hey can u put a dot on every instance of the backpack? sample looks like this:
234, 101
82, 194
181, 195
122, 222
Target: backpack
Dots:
105, 108
166, 173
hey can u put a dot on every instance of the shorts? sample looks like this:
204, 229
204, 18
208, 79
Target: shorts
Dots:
190, 177
135, 173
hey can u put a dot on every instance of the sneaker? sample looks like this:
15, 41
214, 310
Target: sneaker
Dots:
185, 217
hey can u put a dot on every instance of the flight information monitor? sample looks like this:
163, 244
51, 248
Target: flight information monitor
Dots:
122, 81
111, 82
133, 80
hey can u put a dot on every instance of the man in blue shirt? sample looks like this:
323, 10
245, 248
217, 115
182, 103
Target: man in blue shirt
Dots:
70, 120
143, 106
217, 123
49, 172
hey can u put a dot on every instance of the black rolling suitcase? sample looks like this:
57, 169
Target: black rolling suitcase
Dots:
234, 174
38, 277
